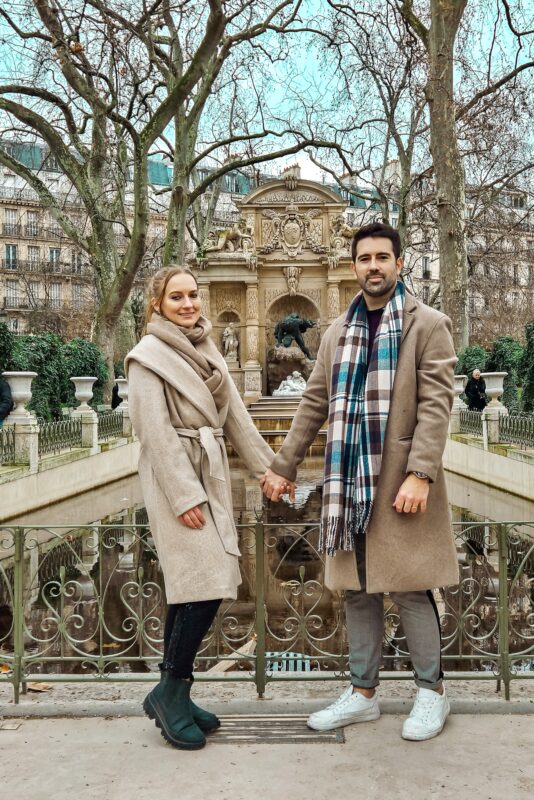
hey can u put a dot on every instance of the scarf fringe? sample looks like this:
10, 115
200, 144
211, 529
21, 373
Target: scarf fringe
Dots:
337, 533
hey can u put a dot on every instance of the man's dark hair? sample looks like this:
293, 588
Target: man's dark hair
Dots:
377, 230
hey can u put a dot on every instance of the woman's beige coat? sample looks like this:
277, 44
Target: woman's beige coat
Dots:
404, 552
183, 464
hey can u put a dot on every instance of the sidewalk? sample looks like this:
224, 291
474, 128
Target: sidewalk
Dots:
110, 757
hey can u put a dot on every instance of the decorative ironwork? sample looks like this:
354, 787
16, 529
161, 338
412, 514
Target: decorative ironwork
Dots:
88, 601
64, 434
470, 422
7, 445
517, 429
109, 424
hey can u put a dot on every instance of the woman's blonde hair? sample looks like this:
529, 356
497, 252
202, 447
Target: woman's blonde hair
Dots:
158, 286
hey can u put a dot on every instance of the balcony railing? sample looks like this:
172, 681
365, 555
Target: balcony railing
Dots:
44, 266
11, 229
102, 589
34, 231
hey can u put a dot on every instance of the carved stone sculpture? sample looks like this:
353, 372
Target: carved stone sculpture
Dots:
292, 274
293, 384
240, 237
291, 231
230, 343
292, 327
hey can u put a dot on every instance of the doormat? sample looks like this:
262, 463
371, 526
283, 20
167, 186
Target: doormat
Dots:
271, 729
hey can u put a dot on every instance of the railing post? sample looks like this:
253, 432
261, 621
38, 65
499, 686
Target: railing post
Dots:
18, 610
261, 665
503, 610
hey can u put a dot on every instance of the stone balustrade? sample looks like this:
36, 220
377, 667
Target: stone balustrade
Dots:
20, 436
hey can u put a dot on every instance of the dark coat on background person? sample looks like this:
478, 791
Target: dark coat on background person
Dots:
475, 391
6, 400
404, 552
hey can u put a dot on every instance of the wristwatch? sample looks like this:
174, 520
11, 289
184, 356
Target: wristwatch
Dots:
422, 475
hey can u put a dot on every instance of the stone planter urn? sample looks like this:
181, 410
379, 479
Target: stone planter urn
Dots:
122, 384
494, 388
459, 386
83, 389
20, 384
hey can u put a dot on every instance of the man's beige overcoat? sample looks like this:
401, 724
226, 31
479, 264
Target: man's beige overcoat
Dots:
404, 552
183, 464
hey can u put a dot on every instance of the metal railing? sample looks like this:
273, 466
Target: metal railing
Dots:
470, 422
55, 437
109, 424
517, 429
87, 603
7, 445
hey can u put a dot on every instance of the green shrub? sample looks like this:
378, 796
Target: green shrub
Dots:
470, 358
83, 358
526, 369
42, 353
505, 356
6, 346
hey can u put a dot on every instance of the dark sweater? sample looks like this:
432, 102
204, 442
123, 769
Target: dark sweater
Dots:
373, 318
6, 401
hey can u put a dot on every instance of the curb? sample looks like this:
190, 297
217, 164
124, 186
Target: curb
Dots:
109, 709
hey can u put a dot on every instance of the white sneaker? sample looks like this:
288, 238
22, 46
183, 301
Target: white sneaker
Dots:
350, 707
427, 716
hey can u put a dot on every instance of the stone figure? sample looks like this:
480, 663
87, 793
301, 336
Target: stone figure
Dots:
292, 274
237, 238
293, 384
230, 343
292, 327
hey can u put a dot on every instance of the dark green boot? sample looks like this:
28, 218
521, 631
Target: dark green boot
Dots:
205, 720
169, 704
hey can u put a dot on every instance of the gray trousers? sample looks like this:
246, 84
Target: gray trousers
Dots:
365, 630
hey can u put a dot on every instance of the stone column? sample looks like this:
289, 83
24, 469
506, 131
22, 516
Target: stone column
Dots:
89, 418
252, 367
458, 404
204, 291
332, 300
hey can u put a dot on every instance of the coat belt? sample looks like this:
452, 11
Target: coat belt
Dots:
208, 441
214, 481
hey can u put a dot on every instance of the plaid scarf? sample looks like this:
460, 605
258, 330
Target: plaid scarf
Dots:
359, 409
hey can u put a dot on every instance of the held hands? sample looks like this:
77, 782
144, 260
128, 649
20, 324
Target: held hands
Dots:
412, 495
274, 486
194, 518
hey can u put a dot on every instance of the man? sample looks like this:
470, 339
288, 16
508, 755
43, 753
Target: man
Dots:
384, 380
6, 401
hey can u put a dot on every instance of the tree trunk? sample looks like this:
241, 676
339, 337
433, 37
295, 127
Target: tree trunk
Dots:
448, 168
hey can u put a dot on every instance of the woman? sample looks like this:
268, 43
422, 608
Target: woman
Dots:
475, 391
182, 400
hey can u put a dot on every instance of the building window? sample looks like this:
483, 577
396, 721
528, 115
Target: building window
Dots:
518, 201
54, 255
13, 325
34, 257
11, 226
32, 223
425, 295
394, 222
76, 262
12, 294
11, 259
55, 295
426, 268
77, 297
516, 273
34, 293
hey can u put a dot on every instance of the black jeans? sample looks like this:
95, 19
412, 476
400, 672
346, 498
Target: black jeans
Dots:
185, 627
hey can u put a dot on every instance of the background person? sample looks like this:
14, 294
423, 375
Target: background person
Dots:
182, 400
475, 391
6, 400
